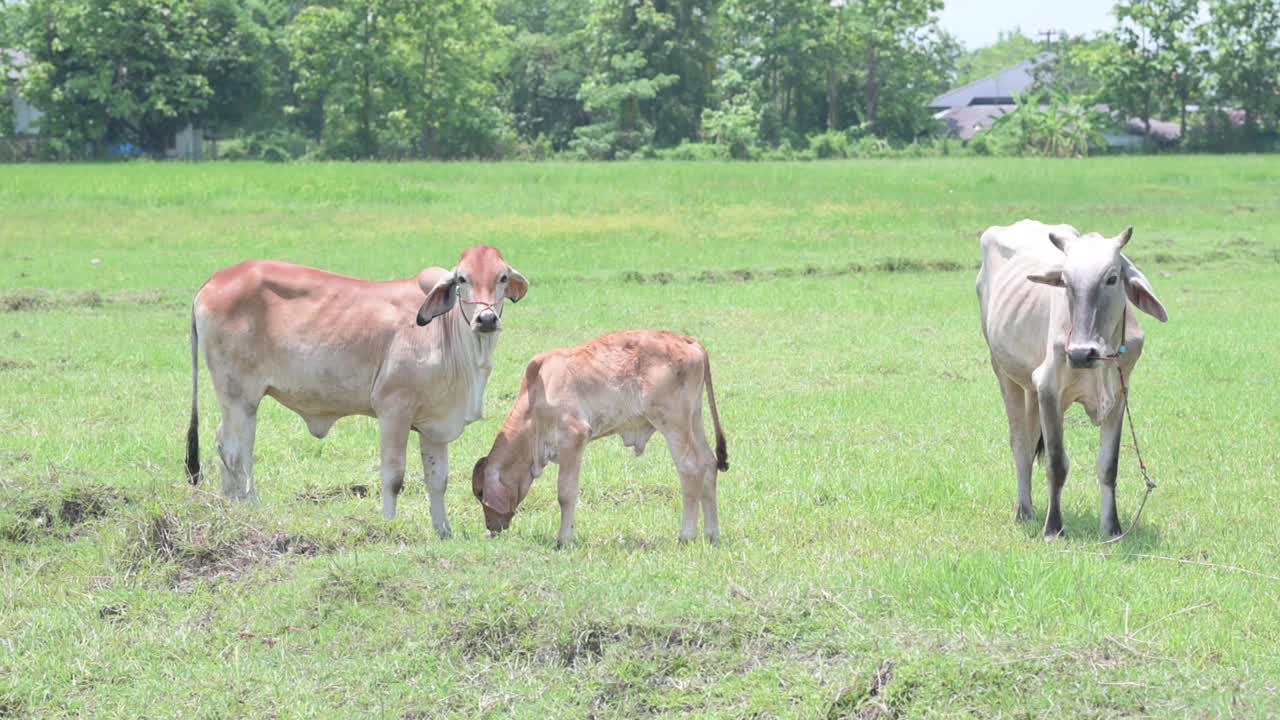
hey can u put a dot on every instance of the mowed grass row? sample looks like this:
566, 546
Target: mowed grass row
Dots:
870, 565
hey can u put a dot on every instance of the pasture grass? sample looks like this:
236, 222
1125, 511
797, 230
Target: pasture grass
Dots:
870, 564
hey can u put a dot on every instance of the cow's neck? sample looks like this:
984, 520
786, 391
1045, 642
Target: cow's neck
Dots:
470, 359
522, 443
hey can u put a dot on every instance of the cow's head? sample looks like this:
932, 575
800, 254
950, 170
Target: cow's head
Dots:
480, 283
1098, 279
500, 491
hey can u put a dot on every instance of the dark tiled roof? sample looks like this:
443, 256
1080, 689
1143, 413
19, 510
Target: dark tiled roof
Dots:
997, 89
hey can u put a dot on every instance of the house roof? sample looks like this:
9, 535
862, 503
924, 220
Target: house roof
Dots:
966, 122
997, 89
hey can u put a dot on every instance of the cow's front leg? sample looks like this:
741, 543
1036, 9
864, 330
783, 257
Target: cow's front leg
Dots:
435, 465
570, 461
394, 433
1056, 455
1108, 464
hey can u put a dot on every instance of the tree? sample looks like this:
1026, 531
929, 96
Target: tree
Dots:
138, 70
543, 68
1245, 39
1152, 66
631, 93
400, 78
1011, 48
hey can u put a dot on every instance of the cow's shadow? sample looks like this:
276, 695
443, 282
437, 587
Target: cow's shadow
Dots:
1081, 528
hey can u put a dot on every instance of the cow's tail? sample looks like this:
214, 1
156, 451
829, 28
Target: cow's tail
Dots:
193, 431
1039, 456
722, 448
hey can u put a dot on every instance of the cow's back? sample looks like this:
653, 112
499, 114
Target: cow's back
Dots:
312, 339
1017, 313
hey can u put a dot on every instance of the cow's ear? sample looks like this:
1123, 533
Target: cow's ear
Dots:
517, 285
440, 299
477, 478
1052, 276
496, 495
1138, 288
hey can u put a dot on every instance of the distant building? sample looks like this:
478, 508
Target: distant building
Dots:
26, 118
187, 144
974, 108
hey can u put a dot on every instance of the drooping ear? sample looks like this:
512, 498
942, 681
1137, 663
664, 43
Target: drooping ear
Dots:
440, 299
477, 477
517, 285
1123, 238
1052, 276
496, 495
1138, 288
1059, 241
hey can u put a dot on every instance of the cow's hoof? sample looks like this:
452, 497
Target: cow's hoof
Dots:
1025, 514
1055, 535
713, 538
1112, 532
444, 532
686, 539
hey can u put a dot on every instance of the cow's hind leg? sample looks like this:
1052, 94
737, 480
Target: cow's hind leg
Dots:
696, 464
435, 465
237, 433
394, 432
1023, 411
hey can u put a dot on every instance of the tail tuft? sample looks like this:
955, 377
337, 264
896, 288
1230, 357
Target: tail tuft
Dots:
722, 453
1040, 448
193, 430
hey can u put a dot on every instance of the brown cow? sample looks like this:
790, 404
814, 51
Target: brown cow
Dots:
626, 383
328, 346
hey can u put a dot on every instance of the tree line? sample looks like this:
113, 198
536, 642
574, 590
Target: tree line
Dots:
598, 79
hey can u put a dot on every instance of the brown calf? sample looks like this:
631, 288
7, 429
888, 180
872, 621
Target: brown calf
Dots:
626, 383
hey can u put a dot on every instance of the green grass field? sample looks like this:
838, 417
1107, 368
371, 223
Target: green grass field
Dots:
870, 564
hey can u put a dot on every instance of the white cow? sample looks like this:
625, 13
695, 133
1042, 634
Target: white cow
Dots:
327, 346
1056, 316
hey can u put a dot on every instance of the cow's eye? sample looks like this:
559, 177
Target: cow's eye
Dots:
462, 281
1112, 280
502, 279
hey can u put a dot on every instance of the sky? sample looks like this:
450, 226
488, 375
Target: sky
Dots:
978, 22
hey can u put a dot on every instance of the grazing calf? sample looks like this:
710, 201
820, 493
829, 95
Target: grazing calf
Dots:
626, 383
1056, 316
416, 354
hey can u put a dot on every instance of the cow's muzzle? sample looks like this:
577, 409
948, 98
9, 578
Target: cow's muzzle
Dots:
1083, 357
486, 321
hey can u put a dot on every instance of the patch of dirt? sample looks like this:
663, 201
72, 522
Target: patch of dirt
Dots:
33, 300
212, 552
26, 301
33, 522
870, 703
509, 635
587, 644
7, 364
11, 708
84, 504
811, 270
140, 297
323, 495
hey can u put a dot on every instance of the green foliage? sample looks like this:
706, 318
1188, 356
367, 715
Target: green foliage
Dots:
138, 70
1011, 48
398, 78
1245, 39
735, 123
1045, 124
829, 145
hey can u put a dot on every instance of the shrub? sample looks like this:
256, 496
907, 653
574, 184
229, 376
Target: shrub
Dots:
829, 145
